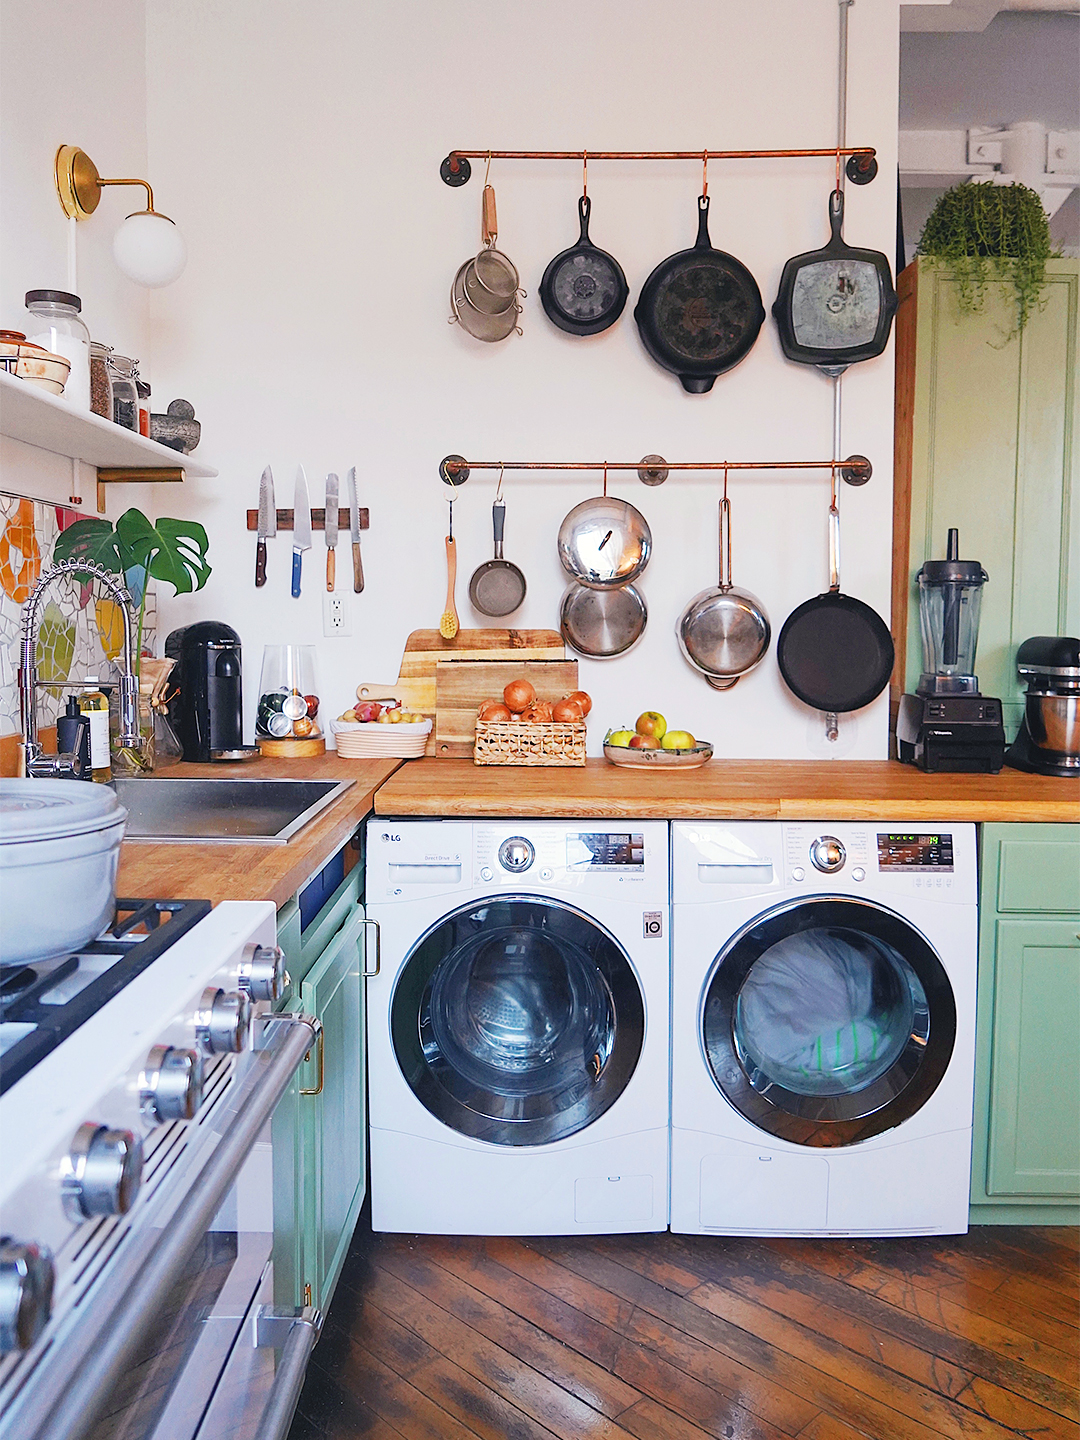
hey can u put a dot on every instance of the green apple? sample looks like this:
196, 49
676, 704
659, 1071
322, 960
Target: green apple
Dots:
678, 740
619, 737
649, 722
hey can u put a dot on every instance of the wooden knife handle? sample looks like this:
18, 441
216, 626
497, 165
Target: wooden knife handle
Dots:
331, 569
260, 563
357, 568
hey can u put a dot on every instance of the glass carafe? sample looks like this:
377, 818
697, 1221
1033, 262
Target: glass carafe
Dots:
950, 596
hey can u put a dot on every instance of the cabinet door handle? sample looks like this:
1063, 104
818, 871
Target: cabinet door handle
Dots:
320, 1054
370, 974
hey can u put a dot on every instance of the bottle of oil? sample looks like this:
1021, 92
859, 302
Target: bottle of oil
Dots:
95, 707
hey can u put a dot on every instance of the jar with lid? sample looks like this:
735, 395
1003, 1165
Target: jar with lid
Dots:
54, 323
125, 395
101, 397
144, 404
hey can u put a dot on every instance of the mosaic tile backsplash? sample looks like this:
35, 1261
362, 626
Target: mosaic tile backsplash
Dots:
81, 632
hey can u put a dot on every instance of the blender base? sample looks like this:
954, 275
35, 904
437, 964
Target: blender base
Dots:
959, 734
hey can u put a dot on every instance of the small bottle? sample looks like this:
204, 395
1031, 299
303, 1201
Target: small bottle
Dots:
73, 736
55, 324
95, 706
144, 407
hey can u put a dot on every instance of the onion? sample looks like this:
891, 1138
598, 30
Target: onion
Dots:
492, 710
519, 695
583, 699
567, 710
538, 713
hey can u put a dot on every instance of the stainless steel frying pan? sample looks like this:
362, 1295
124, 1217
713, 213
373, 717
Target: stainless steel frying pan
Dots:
497, 587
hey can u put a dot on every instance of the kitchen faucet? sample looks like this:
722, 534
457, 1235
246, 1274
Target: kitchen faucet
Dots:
35, 762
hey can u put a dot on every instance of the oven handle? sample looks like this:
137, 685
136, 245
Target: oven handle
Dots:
93, 1354
295, 1331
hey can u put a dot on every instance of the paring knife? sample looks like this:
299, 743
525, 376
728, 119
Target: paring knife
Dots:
267, 524
301, 539
330, 523
354, 528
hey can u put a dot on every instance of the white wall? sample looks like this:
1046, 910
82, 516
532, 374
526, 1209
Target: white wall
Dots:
300, 148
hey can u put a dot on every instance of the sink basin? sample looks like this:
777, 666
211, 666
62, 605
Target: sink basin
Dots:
259, 812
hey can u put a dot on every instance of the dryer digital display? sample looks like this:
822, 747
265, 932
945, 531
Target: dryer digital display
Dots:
905, 851
600, 851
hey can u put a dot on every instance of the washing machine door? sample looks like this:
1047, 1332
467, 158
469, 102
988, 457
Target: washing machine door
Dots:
517, 1020
827, 1021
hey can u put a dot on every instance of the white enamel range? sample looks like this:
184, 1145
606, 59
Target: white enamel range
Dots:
518, 1028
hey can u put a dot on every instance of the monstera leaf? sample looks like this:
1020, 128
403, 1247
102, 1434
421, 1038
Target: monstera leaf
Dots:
171, 550
89, 540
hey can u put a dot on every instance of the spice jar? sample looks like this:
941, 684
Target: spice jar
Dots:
125, 409
144, 407
101, 396
55, 325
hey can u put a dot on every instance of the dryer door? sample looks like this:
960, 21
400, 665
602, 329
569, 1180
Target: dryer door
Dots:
827, 1021
517, 1020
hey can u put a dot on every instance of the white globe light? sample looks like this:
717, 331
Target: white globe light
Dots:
149, 249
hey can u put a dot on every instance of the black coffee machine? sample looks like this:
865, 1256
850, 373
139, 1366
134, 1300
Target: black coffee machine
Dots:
1048, 741
206, 710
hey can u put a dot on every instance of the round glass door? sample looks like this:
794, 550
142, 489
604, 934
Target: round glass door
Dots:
518, 1021
828, 1021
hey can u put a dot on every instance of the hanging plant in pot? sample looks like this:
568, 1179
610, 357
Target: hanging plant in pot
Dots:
991, 234
139, 549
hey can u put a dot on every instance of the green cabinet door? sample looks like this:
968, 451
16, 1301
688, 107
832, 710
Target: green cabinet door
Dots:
332, 1108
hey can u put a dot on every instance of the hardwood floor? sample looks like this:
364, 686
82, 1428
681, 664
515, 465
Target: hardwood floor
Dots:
668, 1337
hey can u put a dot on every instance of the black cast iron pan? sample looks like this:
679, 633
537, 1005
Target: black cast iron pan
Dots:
835, 653
835, 306
700, 311
584, 289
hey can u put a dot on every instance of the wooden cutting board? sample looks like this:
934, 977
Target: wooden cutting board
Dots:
415, 685
460, 685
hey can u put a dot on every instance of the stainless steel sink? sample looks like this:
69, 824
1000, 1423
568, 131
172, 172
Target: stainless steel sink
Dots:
259, 812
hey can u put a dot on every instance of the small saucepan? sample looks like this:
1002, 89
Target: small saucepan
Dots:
497, 587
724, 632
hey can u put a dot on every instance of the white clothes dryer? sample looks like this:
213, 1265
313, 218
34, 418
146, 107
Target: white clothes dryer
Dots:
518, 1028
823, 1022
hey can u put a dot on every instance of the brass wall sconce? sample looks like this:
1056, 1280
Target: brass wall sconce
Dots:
148, 247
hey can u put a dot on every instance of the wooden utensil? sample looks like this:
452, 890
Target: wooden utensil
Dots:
448, 624
460, 686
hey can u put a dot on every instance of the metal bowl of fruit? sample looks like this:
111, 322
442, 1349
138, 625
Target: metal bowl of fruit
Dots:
652, 746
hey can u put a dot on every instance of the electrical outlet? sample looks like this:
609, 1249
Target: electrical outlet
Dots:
335, 616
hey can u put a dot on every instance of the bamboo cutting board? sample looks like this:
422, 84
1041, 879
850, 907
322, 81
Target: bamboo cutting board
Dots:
415, 685
460, 685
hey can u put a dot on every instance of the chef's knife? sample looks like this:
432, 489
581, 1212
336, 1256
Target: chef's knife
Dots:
301, 539
330, 523
354, 527
267, 524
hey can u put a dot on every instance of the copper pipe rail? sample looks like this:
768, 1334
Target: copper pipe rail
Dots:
654, 469
861, 167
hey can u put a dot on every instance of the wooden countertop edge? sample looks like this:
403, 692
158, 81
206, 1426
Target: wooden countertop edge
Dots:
976, 811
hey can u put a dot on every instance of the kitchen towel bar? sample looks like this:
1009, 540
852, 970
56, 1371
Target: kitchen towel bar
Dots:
652, 470
318, 519
861, 166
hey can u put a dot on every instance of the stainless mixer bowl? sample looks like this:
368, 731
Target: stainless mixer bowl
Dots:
1053, 721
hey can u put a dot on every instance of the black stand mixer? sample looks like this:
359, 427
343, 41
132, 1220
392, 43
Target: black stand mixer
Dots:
947, 725
1048, 741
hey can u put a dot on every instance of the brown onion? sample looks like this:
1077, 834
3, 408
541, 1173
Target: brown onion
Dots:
519, 695
583, 698
538, 713
567, 710
491, 710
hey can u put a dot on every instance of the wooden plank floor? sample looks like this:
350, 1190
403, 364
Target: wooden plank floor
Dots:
667, 1337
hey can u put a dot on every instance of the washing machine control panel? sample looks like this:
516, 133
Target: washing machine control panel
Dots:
827, 854
516, 854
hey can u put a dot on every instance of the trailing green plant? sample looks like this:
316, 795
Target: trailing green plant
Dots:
991, 233
137, 548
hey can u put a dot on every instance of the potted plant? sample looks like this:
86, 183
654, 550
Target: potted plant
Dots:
989, 233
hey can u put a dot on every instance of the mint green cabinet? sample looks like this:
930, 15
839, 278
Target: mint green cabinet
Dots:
1026, 1143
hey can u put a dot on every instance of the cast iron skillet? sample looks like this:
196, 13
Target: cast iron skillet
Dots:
835, 306
700, 311
835, 653
584, 289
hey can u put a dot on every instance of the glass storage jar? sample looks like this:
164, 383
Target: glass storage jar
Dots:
125, 393
288, 694
101, 397
54, 323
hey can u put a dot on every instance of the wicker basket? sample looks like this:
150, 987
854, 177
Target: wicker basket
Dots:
514, 742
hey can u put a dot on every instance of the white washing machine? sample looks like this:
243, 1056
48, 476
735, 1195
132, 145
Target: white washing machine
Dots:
518, 1027
823, 1022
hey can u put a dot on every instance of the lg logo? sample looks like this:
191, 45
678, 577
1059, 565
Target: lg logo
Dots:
652, 924
391, 838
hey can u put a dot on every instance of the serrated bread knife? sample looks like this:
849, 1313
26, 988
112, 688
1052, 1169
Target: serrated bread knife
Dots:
330, 524
354, 530
267, 524
301, 539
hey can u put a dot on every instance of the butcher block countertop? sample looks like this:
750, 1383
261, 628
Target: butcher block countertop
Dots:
215, 871
726, 789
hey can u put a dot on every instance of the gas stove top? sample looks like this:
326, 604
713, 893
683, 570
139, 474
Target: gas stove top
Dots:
43, 1002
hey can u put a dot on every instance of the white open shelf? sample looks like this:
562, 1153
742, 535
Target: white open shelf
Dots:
30, 414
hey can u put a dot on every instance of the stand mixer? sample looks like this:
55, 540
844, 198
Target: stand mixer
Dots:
947, 725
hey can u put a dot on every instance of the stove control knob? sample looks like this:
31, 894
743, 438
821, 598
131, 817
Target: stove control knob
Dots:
262, 972
27, 1273
827, 854
516, 854
171, 1084
101, 1173
222, 1021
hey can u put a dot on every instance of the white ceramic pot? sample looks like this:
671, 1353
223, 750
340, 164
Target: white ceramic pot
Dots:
59, 854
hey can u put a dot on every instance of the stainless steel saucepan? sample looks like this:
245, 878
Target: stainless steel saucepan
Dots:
724, 632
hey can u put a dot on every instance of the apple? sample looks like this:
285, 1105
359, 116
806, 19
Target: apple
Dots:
619, 737
650, 722
644, 742
678, 740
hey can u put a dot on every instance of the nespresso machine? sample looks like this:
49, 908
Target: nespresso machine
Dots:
947, 725
1048, 741
206, 710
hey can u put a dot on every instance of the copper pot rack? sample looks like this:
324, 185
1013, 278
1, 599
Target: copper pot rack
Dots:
861, 166
654, 469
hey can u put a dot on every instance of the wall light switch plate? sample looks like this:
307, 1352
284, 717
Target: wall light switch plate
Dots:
335, 614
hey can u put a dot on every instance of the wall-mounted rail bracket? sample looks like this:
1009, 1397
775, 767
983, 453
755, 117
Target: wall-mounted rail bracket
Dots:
135, 475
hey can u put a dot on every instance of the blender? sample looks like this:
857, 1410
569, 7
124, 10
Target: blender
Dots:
947, 725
